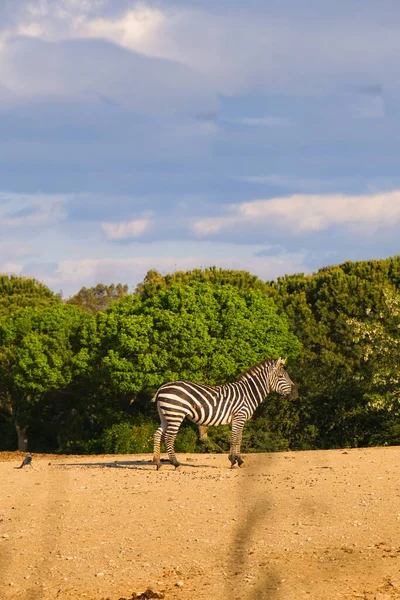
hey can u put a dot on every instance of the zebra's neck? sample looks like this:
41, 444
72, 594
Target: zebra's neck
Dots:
253, 387
257, 386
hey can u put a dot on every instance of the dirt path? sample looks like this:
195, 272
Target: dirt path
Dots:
317, 525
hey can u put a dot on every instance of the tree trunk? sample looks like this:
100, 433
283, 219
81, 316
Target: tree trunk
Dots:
22, 438
203, 432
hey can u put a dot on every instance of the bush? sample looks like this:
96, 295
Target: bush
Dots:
208, 446
187, 440
388, 436
265, 441
219, 439
257, 437
137, 438
307, 439
125, 438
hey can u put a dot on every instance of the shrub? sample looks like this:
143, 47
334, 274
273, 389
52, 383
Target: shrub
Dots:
187, 440
260, 440
388, 436
219, 439
125, 438
257, 437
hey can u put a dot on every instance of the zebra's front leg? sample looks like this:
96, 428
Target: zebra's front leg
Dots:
234, 454
238, 455
170, 436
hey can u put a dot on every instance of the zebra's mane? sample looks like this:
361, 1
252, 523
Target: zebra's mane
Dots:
255, 368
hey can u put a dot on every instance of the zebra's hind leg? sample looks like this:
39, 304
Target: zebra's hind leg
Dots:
170, 436
158, 437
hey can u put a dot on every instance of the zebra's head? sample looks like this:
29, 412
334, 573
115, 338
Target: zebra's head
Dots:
280, 381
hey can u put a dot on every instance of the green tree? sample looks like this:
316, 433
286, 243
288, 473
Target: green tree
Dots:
242, 280
320, 307
199, 331
19, 292
97, 298
40, 351
378, 337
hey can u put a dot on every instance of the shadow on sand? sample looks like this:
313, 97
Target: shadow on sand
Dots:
131, 464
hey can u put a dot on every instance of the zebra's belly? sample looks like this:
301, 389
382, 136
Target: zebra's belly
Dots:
210, 420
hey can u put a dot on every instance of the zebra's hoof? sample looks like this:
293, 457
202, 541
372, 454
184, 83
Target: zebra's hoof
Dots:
178, 467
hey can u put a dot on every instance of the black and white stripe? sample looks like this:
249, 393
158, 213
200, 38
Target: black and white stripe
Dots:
217, 405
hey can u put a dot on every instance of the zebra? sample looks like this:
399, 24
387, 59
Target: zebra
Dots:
217, 405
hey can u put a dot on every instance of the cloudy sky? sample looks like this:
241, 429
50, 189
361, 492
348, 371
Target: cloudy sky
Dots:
248, 134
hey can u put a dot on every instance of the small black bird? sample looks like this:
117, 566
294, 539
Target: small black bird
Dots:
27, 461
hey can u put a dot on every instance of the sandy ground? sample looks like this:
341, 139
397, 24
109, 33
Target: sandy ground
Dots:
317, 525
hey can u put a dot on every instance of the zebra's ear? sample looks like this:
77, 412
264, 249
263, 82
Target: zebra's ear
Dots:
280, 362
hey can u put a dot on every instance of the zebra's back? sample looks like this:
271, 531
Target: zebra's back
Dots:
201, 404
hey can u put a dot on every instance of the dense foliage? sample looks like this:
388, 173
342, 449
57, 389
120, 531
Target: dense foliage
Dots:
97, 298
41, 351
78, 376
335, 378
197, 331
19, 292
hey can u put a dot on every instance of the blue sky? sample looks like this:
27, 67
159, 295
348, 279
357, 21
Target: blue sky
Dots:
257, 135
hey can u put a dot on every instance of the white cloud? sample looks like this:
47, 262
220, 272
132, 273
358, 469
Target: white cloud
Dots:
211, 225
31, 30
19, 211
307, 213
69, 19
315, 213
33, 68
10, 268
126, 229
236, 50
132, 30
